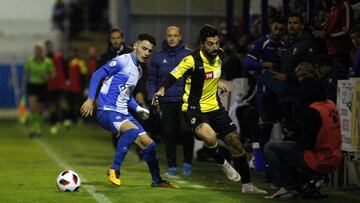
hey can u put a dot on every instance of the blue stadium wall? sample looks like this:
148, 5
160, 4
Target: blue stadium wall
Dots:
7, 93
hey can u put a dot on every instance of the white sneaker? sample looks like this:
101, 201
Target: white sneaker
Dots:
230, 172
250, 188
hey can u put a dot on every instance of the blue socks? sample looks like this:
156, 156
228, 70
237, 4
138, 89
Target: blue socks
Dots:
149, 155
123, 147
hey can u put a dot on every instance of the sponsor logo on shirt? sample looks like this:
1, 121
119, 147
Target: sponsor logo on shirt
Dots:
164, 61
175, 69
209, 75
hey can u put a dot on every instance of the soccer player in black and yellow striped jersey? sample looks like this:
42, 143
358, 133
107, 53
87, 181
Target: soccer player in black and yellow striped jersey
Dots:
202, 107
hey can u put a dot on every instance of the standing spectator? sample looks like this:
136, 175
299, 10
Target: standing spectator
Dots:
172, 119
58, 15
330, 73
263, 55
77, 75
92, 61
38, 69
355, 38
76, 18
340, 21
203, 109
116, 47
299, 48
56, 86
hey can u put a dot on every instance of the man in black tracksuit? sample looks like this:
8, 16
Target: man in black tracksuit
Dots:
116, 47
299, 48
329, 73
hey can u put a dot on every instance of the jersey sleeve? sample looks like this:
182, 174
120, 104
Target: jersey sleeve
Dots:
132, 103
113, 66
110, 68
253, 58
255, 50
186, 64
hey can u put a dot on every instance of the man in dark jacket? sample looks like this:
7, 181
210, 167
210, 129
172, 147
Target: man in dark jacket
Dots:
299, 48
116, 47
329, 73
173, 124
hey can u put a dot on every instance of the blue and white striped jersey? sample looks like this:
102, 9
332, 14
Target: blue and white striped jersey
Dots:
121, 76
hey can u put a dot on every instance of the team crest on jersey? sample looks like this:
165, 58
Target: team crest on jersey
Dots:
209, 75
193, 120
112, 63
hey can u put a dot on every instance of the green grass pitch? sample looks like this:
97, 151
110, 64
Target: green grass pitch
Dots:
28, 172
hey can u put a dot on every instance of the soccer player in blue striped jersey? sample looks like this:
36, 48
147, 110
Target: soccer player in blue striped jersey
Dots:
121, 75
265, 54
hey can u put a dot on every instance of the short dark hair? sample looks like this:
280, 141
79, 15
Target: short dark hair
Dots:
278, 19
147, 37
207, 31
297, 15
116, 30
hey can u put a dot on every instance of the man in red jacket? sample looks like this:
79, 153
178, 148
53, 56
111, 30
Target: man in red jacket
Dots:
56, 86
340, 21
318, 147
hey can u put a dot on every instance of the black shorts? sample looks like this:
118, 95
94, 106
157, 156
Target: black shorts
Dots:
219, 120
40, 91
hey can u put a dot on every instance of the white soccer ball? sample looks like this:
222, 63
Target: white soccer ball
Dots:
68, 181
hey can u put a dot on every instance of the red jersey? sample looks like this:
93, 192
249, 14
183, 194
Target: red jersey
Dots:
92, 64
339, 24
58, 82
77, 71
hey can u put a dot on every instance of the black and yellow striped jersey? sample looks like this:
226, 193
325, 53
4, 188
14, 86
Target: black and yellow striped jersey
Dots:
201, 81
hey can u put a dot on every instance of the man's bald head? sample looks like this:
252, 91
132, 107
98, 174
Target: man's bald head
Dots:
173, 36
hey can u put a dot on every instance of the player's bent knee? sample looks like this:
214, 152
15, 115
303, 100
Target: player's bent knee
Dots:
131, 134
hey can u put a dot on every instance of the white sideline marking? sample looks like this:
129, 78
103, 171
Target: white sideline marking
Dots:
179, 180
198, 186
101, 198
182, 182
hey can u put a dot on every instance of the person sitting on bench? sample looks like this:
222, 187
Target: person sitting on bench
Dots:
318, 146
